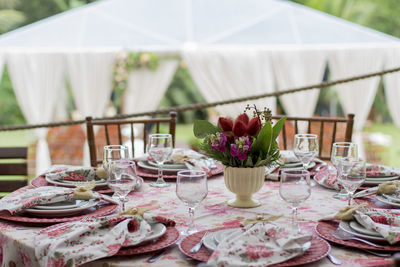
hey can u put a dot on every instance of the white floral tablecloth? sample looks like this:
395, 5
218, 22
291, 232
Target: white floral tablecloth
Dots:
16, 241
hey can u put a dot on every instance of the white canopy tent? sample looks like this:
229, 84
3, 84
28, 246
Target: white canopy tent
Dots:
232, 48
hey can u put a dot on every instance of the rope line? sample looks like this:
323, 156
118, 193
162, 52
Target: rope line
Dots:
182, 108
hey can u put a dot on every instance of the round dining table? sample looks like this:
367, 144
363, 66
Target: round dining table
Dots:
17, 240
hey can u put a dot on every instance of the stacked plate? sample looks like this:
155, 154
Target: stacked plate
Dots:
62, 209
392, 200
356, 229
67, 183
167, 167
377, 174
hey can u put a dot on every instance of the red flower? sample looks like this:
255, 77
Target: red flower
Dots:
239, 128
244, 118
229, 136
254, 126
226, 124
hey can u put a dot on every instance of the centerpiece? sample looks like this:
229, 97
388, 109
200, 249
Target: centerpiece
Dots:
245, 147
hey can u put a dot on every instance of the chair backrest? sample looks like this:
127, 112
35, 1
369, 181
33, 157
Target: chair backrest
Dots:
114, 136
8, 168
328, 129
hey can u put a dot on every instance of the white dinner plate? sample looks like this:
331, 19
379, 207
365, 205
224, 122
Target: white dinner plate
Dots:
378, 179
346, 227
209, 241
68, 204
100, 183
145, 165
63, 212
393, 197
168, 165
293, 166
387, 201
361, 229
157, 230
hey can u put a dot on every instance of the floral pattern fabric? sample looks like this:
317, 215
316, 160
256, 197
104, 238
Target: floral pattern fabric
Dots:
71, 173
75, 243
260, 244
17, 241
385, 222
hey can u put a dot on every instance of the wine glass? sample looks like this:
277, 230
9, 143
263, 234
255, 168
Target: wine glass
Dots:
191, 189
123, 179
352, 174
295, 188
341, 150
114, 152
160, 149
306, 149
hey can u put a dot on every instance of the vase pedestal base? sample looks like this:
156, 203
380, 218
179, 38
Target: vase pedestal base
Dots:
244, 202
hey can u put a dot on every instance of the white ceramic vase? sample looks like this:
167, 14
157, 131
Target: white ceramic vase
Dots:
244, 182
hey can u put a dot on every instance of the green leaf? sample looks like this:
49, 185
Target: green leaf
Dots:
278, 127
249, 162
202, 128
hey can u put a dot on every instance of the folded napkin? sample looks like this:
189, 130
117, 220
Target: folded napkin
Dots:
260, 244
374, 170
345, 214
28, 197
327, 176
389, 188
75, 243
75, 173
385, 221
288, 156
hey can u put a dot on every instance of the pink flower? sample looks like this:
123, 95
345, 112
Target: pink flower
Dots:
218, 142
113, 249
58, 231
256, 252
57, 262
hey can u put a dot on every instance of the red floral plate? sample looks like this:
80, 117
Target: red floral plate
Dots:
150, 174
318, 250
90, 213
325, 229
169, 238
41, 181
373, 202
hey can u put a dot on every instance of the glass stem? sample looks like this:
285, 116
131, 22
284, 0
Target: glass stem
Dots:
350, 198
191, 226
122, 203
160, 179
295, 224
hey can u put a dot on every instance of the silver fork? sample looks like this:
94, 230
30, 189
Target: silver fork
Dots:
197, 247
346, 236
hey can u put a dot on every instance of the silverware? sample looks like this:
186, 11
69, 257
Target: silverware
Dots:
211, 163
197, 247
378, 254
346, 236
334, 260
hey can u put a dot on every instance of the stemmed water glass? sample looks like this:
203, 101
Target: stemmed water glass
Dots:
342, 150
122, 179
306, 149
352, 173
191, 189
160, 149
114, 152
295, 188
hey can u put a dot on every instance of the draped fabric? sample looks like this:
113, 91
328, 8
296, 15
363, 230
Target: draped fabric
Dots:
392, 85
295, 69
38, 79
232, 73
356, 97
90, 76
147, 87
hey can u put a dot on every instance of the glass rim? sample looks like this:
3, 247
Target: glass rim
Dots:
351, 159
295, 172
188, 173
306, 135
115, 147
343, 144
125, 161
159, 135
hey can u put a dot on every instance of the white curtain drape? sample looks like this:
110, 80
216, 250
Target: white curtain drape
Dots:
299, 68
38, 79
356, 97
232, 73
392, 85
146, 87
90, 76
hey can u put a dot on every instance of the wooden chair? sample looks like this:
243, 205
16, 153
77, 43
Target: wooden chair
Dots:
14, 168
113, 135
328, 129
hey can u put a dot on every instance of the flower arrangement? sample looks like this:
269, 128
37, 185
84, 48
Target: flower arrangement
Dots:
244, 142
